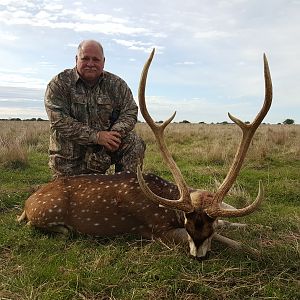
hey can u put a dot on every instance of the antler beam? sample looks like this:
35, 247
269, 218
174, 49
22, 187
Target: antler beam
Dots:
248, 131
184, 203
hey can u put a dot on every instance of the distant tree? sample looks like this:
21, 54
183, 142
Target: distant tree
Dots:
185, 121
201, 122
288, 121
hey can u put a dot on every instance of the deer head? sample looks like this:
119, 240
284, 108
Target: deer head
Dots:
201, 208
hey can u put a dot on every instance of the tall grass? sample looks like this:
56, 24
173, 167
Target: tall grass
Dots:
218, 143
201, 142
18, 139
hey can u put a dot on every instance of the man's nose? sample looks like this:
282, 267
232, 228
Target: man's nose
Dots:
90, 62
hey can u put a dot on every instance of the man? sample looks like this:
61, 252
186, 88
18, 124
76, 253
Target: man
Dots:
92, 114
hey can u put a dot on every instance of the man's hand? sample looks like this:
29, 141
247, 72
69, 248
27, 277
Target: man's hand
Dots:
111, 140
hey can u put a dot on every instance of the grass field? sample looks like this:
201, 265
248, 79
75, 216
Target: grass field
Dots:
38, 266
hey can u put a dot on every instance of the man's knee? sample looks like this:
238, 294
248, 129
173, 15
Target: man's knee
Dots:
133, 152
134, 143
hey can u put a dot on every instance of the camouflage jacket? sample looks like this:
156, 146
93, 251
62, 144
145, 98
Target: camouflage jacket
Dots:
77, 112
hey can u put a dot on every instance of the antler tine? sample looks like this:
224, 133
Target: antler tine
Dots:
184, 202
248, 131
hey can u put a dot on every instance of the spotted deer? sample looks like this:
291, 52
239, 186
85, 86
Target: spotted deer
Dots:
146, 204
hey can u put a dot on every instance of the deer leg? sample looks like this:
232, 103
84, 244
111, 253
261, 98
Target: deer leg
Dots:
236, 245
59, 229
178, 236
23, 217
223, 223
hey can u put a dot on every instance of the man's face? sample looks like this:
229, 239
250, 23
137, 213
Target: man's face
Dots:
90, 62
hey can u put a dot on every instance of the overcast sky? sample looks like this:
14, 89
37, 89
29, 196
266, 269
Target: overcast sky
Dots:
209, 58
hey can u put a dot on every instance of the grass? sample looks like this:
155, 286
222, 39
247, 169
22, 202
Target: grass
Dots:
34, 265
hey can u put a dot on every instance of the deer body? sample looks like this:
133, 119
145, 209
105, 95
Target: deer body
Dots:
103, 205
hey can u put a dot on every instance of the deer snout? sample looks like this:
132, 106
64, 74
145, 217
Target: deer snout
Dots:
201, 251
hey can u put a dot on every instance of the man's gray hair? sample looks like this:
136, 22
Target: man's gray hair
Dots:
80, 46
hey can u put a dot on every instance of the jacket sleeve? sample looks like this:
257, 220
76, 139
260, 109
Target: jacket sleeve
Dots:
128, 110
57, 103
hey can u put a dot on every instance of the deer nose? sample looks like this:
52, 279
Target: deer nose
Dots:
201, 258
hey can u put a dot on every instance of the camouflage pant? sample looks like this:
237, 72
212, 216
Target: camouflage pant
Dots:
130, 154
98, 160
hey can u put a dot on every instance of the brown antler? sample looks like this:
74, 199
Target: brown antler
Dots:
184, 202
248, 132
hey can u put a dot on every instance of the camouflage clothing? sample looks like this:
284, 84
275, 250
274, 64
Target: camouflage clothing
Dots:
77, 112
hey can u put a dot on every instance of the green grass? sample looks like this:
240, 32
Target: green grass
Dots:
34, 265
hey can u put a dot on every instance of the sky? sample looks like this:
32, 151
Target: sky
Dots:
208, 61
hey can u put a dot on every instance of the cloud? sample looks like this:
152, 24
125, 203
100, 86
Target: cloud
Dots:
21, 112
17, 93
76, 20
139, 45
21, 80
21, 102
212, 34
186, 63
7, 36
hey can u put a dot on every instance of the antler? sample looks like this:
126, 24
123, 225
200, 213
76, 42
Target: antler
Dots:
184, 202
248, 132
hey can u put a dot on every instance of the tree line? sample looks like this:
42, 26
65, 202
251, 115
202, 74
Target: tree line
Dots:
285, 122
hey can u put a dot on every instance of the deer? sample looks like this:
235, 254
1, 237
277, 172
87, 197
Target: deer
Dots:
144, 204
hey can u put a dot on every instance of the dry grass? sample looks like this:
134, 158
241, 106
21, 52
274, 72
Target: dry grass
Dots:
206, 143
18, 138
218, 143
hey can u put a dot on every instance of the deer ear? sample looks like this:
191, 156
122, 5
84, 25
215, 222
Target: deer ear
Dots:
224, 205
